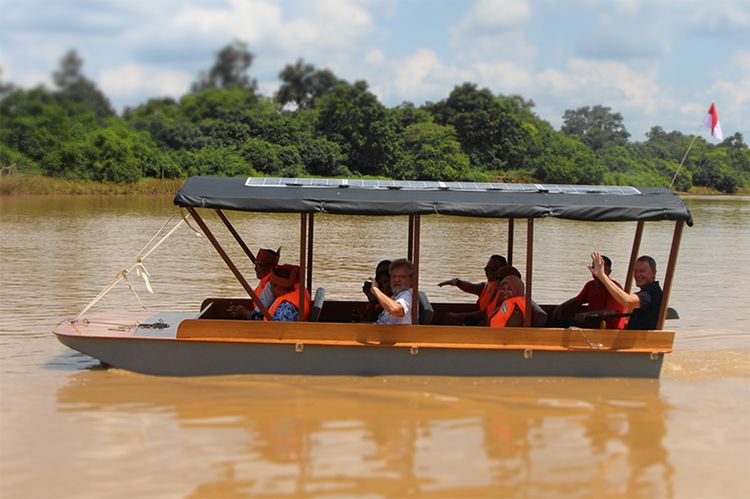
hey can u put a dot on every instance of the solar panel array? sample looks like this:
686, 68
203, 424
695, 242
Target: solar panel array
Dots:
428, 185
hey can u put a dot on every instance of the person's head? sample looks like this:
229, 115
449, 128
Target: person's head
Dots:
493, 265
401, 275
510, 286
383, 278
607, 265
505, 271
283, 279
644, 271
383, 266
265, 260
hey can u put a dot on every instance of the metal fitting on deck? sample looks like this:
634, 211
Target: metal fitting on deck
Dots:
299, 347
414, 350
528, 353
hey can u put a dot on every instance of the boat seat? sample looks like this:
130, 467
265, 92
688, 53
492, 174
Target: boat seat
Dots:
425, 309
317, 305
671, 314
539, 316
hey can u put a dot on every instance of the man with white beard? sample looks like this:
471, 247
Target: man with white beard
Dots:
396, 308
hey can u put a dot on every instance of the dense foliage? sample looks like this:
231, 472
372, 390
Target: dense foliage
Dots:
318, 124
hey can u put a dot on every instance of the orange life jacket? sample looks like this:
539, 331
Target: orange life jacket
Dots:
293, 298
262, 284
487, 294
506, 310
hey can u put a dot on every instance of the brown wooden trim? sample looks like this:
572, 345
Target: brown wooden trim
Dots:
511, 230
310, 234
529, 270
302, 261
236, 235
428, 336
634, 255
416, 228
671, 266
224, 256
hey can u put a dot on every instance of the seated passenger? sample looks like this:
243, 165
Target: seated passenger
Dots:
383, 279
512, 304
599, 303
284, 286
646, 303
485, 291
397, 307
265, 260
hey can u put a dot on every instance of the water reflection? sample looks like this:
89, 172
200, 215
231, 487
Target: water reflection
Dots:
395, 435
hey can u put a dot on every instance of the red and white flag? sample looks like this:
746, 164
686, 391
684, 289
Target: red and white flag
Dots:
712, 121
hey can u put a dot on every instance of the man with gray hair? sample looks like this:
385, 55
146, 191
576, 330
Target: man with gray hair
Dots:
646, 303
397, 307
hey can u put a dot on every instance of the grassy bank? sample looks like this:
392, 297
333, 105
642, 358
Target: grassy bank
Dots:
37, 184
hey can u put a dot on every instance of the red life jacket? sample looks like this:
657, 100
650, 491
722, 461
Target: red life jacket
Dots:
293, 298
262, 284
506, 310
487, 294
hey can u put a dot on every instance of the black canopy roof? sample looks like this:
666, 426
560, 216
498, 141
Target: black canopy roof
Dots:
496, 200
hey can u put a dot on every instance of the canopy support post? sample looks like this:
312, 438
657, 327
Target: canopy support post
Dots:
511, 224
223, 254
634, 255
302, 266
310, 231
236, 235
415, 226
676, 237
410, 243
529, 270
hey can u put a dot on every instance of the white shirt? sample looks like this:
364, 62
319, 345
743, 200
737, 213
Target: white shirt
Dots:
403, 299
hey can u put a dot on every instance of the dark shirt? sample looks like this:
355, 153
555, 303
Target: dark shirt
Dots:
647, 315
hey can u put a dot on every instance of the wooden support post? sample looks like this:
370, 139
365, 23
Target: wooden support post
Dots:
415, 276
236, 235
529, 270
223, 254
310, 232
634, 255
410, 243
302, 266
676, 237
511, 223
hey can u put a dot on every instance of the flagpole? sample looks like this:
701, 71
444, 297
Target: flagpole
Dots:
695, 136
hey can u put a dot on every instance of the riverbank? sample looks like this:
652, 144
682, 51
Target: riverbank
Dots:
20, 184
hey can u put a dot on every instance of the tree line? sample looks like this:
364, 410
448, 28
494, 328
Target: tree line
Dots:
318, 124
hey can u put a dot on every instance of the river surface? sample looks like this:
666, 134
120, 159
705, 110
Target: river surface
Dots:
69, 428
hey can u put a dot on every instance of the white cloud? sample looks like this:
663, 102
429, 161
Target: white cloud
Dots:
375, 57
494, 16
133, 79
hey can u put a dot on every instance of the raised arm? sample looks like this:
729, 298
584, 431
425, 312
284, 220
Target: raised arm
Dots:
389, 304
628, 300
465, 286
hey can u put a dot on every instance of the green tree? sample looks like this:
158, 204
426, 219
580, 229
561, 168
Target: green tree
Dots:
352, 117
74, 88
595, 126
229, 70
303, 84
430, 152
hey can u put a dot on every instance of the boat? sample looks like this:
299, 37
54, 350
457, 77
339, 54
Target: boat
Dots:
209, 342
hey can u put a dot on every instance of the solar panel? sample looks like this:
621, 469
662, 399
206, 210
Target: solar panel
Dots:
430, 185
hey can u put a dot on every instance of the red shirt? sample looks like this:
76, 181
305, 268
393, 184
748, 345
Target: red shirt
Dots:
598, 298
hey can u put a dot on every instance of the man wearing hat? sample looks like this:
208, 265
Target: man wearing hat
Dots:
284, 285
265, 260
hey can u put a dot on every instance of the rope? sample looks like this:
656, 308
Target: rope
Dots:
138, 265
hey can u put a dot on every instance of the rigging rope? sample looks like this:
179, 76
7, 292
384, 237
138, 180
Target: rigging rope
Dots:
138, 265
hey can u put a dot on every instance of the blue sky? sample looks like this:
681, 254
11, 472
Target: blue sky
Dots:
658, 62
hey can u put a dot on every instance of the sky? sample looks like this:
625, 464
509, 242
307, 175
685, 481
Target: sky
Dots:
656, 62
